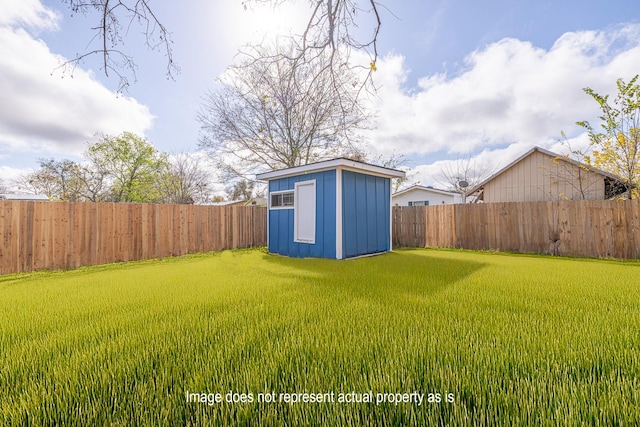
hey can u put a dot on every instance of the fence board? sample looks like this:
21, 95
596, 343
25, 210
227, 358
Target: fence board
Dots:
41, 235
61, 235
592, 228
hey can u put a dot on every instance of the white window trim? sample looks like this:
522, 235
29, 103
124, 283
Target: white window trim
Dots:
282, 192
339, 214
296, 200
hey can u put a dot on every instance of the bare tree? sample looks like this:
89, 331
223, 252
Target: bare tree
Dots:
241, 190
463, 174
58, 179
393, 161
115, 17
95, 182
332, 25
277, 114
187, 181
334, 30
568, 172
65, 180
24, 184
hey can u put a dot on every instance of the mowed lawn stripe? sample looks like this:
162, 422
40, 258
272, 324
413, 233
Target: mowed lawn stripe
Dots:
514, 340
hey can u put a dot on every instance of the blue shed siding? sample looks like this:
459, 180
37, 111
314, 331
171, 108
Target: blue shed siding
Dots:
365, 214
281, 220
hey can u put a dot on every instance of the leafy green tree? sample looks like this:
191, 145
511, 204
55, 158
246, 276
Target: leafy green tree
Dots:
616, 147
132, 165
125, 168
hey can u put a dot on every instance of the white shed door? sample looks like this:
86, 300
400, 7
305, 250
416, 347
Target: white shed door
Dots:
304, 223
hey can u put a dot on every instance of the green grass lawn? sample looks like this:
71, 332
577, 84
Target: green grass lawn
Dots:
509, 339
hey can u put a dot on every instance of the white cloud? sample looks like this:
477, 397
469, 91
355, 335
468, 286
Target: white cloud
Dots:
8, 174
29, 13
509, 92
42, 109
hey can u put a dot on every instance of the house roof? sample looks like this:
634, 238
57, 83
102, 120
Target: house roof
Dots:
229, 203
27, 197
548, 153
427, 188
339, 163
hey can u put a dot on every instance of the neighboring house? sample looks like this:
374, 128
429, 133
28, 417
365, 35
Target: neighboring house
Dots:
25, 197
419, 195
337, 209
541, 175
259, 201
228, 203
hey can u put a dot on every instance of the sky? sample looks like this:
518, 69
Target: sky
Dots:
468, 78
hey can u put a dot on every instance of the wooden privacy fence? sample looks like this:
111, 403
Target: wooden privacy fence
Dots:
61, 235
592, 228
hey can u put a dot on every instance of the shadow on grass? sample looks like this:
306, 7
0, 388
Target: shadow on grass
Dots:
407, 272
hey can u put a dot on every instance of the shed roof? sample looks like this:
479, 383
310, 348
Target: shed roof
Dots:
339, 163
23, 197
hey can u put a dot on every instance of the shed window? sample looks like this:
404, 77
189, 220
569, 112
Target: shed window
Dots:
282, 200
419, 203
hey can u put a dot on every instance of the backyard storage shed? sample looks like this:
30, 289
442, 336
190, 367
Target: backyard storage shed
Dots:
337, 209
